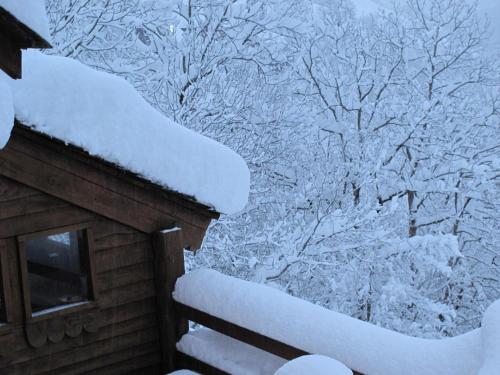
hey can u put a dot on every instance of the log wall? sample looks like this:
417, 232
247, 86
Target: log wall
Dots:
125, 338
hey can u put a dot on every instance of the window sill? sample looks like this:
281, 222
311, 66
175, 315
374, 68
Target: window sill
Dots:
63, 310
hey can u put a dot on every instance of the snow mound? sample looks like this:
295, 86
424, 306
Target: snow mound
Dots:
6, 110
107, 117
313, 365
228, 354
490, 333
30, 12
361, 346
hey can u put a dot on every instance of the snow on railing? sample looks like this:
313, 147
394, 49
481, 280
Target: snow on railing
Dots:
490, 334
313, 364
268, 313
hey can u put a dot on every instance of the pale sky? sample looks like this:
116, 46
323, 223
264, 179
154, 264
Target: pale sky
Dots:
489, 7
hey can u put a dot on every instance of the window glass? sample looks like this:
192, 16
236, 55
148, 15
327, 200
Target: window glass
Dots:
58, 271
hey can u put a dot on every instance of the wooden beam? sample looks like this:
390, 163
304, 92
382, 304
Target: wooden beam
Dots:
10, 57
22, 35
242, 334
15, 36
239, 333
169, 266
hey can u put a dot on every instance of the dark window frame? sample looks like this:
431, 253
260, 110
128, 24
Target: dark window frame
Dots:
88, 254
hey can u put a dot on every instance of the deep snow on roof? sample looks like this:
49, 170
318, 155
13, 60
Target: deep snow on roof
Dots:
31, 13
107, 117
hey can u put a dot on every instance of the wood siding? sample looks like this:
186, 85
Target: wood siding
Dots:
127, 337
74, 176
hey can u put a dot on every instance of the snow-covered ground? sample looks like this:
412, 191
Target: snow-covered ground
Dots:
106, 116
359, 345
31, 13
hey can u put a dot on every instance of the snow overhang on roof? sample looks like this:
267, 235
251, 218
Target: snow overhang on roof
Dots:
32, 14
104, 115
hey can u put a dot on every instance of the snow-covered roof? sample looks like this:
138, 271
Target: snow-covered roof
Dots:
107, 117
31, 13
359, 345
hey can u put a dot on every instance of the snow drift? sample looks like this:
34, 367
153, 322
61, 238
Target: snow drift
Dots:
107, 117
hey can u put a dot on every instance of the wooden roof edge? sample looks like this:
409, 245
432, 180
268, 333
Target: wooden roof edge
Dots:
107, 167
24, 35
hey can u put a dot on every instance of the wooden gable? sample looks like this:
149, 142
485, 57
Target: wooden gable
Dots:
71, 174
15, 36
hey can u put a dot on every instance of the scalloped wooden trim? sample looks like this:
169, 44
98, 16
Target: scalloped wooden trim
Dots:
54, 330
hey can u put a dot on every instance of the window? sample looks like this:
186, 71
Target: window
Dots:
56, 271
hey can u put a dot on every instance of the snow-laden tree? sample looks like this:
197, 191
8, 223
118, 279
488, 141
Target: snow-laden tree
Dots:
407, 104
373, 141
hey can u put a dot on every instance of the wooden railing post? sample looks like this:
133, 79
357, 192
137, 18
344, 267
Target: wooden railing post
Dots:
169, 266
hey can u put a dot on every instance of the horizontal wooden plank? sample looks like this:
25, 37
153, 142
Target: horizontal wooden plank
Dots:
75, 189
128, 311
239, 333
109, 234
107, 335
129, 293
125, 276
110, 176
111, 319
29, 206
186, 362
109, 359
57, 359
123, 256
41, 221
12, 190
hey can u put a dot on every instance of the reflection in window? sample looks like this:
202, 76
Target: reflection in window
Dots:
58, 270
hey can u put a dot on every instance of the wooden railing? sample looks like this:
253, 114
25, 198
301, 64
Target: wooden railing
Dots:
173, 316
255, 339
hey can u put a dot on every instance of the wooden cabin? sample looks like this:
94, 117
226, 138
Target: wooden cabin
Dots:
89, 252
86, 267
